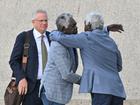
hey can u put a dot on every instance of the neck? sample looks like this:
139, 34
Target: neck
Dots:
41, 32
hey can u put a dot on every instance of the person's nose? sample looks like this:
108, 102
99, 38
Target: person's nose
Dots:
76, 27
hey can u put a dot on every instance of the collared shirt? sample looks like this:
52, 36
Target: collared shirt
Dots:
37, 37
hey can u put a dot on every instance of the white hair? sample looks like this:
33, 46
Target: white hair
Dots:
38, 11
63, 20
95, 19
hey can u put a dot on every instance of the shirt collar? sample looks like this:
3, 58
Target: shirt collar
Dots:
37, 34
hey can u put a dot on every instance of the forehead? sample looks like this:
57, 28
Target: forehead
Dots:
41, 15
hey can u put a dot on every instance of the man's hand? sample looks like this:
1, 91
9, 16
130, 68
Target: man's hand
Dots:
54, 35
115, 28
22, 86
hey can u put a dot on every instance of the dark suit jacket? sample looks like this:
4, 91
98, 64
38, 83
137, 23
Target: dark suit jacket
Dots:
16, 60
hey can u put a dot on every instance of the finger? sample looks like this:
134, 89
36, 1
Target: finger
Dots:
19, 90
25, 91
119, 31
121, 28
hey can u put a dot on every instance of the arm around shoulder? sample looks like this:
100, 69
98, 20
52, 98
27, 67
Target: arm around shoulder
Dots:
74, 40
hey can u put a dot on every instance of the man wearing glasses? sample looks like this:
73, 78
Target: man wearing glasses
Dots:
28, 82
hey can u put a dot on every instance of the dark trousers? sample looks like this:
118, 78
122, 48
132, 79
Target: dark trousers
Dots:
105, 99
32, 98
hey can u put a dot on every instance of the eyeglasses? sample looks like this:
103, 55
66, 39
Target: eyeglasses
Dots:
42, 20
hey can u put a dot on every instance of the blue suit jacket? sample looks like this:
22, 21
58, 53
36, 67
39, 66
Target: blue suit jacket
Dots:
101, 61
16, 60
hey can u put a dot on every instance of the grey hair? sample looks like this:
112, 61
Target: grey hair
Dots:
38, 11
63, 20
95, 19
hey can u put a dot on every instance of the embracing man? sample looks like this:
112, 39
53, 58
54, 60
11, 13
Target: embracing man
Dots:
101, 60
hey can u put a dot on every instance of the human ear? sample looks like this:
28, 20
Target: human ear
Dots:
88, 27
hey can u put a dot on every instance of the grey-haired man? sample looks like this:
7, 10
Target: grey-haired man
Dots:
57, 82
28, 82
101, 59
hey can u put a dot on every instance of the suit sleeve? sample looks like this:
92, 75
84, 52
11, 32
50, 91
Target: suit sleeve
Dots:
106, 30
119, 61
63, 64
73, 40
16, 58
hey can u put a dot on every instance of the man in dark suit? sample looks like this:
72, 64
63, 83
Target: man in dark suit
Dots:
28, 82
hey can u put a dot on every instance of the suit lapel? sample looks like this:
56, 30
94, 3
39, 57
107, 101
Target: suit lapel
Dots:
33, 44
48, 37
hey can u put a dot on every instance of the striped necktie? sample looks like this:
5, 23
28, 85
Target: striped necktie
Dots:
44, 53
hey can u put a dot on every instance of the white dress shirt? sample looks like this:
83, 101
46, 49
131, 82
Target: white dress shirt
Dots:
37, 37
